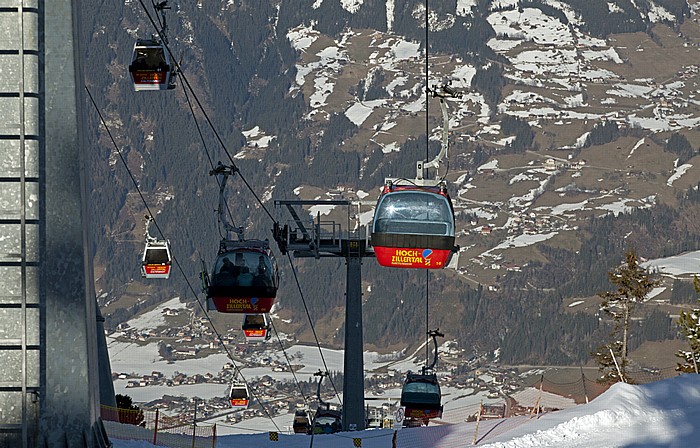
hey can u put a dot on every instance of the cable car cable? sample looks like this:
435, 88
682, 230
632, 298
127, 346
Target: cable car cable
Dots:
206, 116
427, 85
199, 131
206, 150
289, 363
218, 137
427, 311
133, 179
235, 168
313, 330
162, 6
177, 263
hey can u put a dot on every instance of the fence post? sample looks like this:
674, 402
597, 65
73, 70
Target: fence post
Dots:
536, 409
213, 442
194, 423
478, 417
155, 429
583, 379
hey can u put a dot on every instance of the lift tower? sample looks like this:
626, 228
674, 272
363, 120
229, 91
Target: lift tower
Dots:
327, 239
49, 383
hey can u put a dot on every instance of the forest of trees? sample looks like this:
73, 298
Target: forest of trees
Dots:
524, 135
242, 66
679, 145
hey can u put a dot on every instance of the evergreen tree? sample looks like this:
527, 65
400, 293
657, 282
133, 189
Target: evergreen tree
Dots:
128, 412
678, 144
603, 133
611, 364
689, 323
633, 284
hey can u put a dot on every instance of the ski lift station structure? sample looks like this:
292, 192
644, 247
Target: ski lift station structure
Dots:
51, 334
327, 239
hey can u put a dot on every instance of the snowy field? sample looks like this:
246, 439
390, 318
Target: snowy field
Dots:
683, 264
660, 414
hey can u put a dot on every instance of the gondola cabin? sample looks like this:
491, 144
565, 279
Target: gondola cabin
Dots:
244, 278
327, 421
413, 227
421, 396
239, 396
257, 327
157, 260
150, 67
301, 423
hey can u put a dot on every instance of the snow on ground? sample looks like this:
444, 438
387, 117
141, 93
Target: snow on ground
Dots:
155, 318
660, 414
257, 138
359, 112
678, 172
532, 396
684, 264
565, 208
655, 292
617, 207
143, 359
521, 241
490, 165
302, 37
314, 210
205, 391
531, 25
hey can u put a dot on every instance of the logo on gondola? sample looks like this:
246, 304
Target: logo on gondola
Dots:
255, 333
157, 269
425, 258
253, 301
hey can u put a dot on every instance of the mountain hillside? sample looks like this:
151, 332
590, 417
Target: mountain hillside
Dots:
575, 138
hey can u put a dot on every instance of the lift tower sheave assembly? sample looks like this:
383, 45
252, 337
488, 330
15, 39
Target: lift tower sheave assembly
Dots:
319, 239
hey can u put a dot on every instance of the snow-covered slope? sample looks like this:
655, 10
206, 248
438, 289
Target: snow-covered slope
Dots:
660, 414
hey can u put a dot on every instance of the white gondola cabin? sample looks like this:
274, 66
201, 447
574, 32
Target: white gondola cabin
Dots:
239, 396
257, 327
150, 66
157, 260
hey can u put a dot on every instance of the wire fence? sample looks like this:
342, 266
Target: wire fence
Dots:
157, 428
464, 426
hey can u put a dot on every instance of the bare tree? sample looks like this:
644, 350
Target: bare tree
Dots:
633, 283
